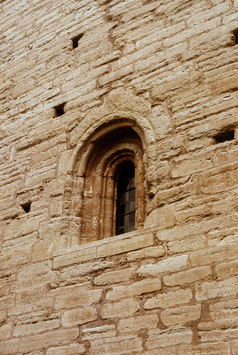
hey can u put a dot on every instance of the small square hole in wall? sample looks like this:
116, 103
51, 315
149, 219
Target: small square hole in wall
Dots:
235, 33
76, 39
26, 206
224, 136
59, 110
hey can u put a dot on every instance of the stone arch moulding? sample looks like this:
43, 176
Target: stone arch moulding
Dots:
122, 115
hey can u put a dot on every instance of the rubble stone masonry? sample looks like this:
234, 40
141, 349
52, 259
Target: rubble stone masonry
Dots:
85, 83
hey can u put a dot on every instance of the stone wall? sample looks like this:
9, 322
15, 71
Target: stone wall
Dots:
168, 70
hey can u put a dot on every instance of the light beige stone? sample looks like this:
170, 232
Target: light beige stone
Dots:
39, 327
189, 276
139, 322
9, 347
83, 254
209, 290
55, 338
168, 337
79, 316
124, 245
115, 276
124, 308
151, 252
214, 254
116, 345
172, 264
75, 296
71, 349
104, 331
6, 331
161, 218
180, 315
234, 347
137, 288
169, 299
205, 349
218, 335
225, 270
163, 351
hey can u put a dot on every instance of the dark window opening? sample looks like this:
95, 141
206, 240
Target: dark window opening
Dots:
76, 39
225, 136
125, 213
59, 110
235, 33
26, 207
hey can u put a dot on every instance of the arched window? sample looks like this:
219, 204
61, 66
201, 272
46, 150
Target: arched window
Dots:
114, 198
126, 208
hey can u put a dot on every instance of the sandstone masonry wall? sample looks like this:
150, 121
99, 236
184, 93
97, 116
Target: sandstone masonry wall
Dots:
169, 68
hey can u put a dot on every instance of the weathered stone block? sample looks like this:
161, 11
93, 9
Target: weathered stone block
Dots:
114, 277
171, 264
169, 299
151, 252
137, 323
171, 350
205, 349
181, 315
214, 289
104, 331
79, 316
9, 347
225, 270
35, 328
161, 218
71, 349
42, 341
6, 331
161, 338
83, 254
116, 345
73, 296
124, 308
137, 288
213, 254
124, 245
188, 276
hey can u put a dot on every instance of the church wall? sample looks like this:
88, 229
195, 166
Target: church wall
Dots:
168, 69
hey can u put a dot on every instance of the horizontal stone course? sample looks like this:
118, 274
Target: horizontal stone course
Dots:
75, 296
104, 331
137, 288
160, 338
169, 299
72, 349
42, 341
167, 265
139, 322
187, 277
124, 308
115, 276
180, 315
205, 349
116, 345
214, 289
79, 316
125, 245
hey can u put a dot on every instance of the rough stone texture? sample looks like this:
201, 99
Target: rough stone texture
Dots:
84, 84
